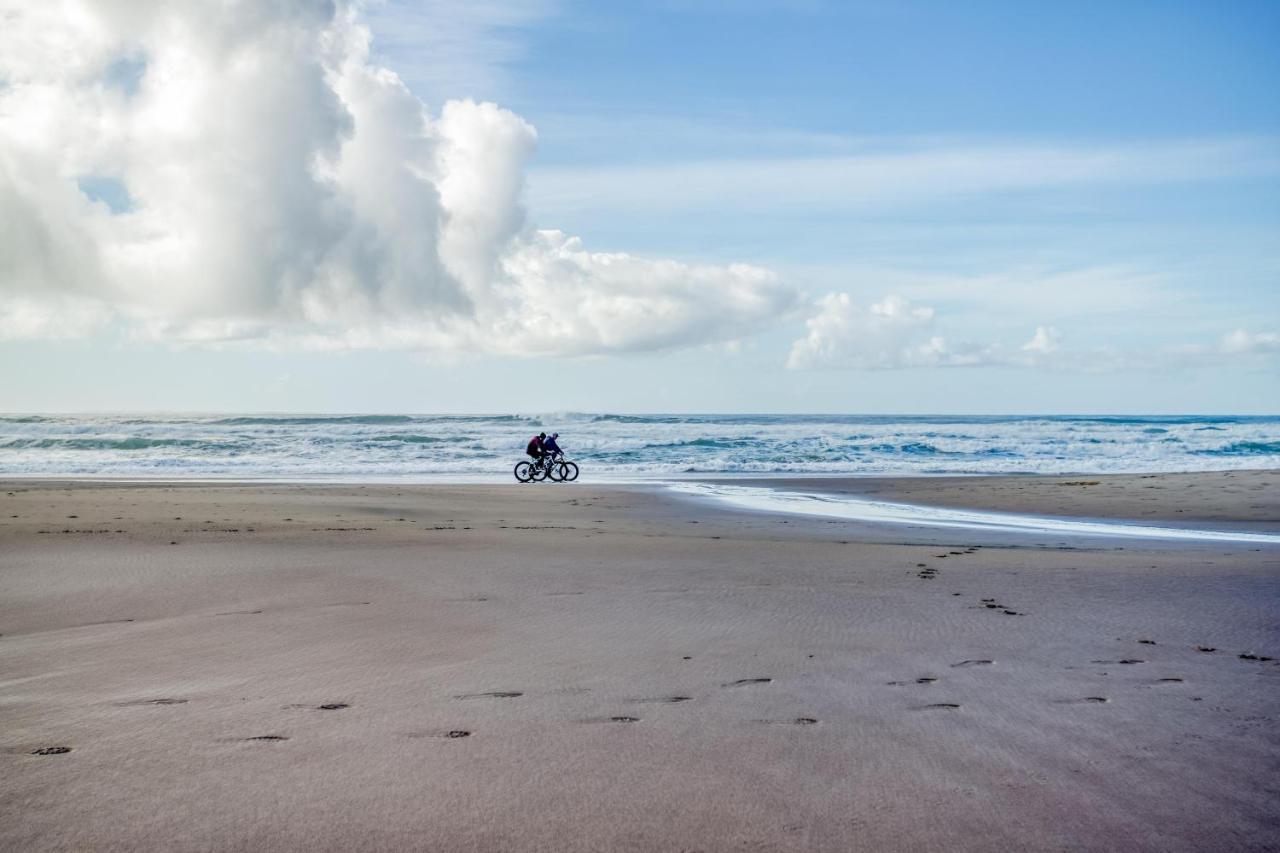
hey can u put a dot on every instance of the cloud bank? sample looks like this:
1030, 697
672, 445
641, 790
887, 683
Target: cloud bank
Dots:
216, 172
895, 334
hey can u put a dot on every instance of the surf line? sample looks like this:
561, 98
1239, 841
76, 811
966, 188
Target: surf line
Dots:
885, 512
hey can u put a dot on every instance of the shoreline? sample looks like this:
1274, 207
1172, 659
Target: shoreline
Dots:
516, 667
504, 477
1200, 500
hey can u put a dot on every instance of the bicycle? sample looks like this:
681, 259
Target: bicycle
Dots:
561, 470
554, 467
529, 472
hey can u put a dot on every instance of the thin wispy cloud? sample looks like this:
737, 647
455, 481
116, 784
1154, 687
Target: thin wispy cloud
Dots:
891, 179
453, 48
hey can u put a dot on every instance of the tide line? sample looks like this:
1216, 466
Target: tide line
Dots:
885, 512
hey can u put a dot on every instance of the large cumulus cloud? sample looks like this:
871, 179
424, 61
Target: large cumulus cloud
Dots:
230, 170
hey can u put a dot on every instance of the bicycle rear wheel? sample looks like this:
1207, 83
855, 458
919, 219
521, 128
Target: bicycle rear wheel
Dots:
524, 472
568, 471
538, 471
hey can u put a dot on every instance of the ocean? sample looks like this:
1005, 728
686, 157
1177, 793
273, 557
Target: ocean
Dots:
623, 447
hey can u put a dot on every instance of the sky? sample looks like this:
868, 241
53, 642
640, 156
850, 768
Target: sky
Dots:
664, 206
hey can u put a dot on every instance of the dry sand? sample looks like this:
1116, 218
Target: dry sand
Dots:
569, 668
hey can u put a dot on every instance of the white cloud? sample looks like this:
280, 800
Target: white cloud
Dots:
892, 333
283, 188
23, 318
1045, 341
896, 333
1244, 342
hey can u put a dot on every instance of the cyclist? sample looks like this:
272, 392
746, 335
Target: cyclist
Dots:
550, 447
536, 449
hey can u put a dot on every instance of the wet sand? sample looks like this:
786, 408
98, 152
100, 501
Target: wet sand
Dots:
556, 667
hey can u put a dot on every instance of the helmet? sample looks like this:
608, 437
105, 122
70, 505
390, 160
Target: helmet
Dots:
555, 435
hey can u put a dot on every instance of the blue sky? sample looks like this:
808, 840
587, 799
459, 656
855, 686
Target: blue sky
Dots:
978, 207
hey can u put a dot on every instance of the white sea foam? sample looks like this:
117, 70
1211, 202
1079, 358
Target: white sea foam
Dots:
884, 512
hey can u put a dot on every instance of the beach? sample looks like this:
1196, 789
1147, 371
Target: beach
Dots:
616, 667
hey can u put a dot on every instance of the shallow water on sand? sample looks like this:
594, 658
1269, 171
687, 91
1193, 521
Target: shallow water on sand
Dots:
886, 512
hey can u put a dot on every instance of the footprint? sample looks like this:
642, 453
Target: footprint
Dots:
164, 701
745, 681
493, 694
794, 721
611, 720
448, 734
332, 706
946, 706
1147, 642
1205, 649
666, 700
239, 613
267, 737
973, 663
1252, 656
1124, 661
1171, 681
51, 750
1087, 700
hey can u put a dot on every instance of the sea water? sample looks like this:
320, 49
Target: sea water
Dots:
621, 447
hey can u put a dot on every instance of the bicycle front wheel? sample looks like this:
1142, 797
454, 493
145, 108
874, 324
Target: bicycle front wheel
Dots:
568, 471
524, 472
555, 472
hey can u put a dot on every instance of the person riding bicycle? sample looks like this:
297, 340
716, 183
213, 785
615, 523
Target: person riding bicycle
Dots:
548, 462
536, 448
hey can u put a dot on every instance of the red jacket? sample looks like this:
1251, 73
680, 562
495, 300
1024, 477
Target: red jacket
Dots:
535, 446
